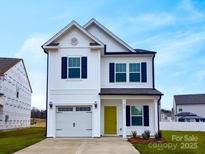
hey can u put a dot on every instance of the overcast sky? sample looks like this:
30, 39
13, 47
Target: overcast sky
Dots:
173, 28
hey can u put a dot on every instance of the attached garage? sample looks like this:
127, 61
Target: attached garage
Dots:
73, 121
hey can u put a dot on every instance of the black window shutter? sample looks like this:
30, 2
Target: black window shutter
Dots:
112, 72
146, 115
144, 72
84, 67
127, 115
64, 68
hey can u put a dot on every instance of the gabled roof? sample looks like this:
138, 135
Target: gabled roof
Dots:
8, 63
94, 21
51, 42
190, 99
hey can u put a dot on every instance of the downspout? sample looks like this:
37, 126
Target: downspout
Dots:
158, 111
46, 90
153, 81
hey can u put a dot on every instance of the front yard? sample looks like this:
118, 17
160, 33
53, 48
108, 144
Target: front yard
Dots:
15, 140
176, 143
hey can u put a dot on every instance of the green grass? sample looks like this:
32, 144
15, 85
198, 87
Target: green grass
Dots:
15, 140
188, 146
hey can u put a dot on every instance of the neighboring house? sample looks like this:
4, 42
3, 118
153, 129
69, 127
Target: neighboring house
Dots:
98, 85
166, 115
15, 94
188, 117
189, 107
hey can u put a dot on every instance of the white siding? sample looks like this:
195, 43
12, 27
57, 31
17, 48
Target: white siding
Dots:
197, 109
105, 72
17, 109
112, 45
74, 91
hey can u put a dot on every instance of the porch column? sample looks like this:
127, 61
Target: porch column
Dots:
156, 115
124, 133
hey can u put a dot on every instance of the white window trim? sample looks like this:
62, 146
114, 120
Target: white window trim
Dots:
73, 67
136, 116
115, 68
134, 72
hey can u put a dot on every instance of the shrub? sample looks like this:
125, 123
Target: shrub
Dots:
134, 134
146, 135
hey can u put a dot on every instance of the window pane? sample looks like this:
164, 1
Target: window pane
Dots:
65, 108
136, 110
120, 67
136, 121
134, 67
74, 72
134, 77
74, 62
120, 77
82, 108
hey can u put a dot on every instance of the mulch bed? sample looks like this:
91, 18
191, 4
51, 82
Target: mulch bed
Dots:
139, 140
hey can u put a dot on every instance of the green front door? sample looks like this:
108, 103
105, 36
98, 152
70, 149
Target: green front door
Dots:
110, 120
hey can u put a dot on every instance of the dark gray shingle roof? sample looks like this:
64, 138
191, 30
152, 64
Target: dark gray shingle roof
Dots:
129, 91
185, 114
190, 99
7, 63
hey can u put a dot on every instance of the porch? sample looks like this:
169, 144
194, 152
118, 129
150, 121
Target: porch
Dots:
122, 114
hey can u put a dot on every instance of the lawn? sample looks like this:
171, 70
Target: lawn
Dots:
177, 143
15, 140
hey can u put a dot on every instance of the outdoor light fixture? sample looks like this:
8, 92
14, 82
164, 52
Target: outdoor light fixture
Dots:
95, 104
50, 105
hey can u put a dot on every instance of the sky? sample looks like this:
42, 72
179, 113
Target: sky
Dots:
173, 28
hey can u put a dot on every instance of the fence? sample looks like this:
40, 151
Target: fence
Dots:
183, 126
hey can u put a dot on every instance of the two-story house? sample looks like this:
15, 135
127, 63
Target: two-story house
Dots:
15, 94
98, 85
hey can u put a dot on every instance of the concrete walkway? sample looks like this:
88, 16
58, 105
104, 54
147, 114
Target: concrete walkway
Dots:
105, 145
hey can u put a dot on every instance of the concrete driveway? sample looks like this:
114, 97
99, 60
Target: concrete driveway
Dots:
105, 145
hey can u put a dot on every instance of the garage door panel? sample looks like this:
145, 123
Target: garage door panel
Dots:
74, 123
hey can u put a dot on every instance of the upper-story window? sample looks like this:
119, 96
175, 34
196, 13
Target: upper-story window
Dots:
120, 72
134, 72
74, 67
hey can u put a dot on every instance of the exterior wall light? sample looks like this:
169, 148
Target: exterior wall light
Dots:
51, 105
95, 105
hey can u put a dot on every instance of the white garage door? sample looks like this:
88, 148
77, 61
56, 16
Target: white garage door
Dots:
74, 121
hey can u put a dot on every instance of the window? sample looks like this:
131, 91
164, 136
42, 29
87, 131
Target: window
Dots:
83, 109
120, 72
65, 108
134, 72
180, 109
74, 67
136, 116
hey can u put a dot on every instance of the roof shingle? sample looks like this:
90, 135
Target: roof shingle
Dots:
189, 99
7, 63
129, 91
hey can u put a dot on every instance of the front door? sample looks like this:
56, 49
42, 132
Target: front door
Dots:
110, 120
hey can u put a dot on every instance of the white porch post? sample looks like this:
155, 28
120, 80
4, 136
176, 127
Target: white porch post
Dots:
156, 115
124, 133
